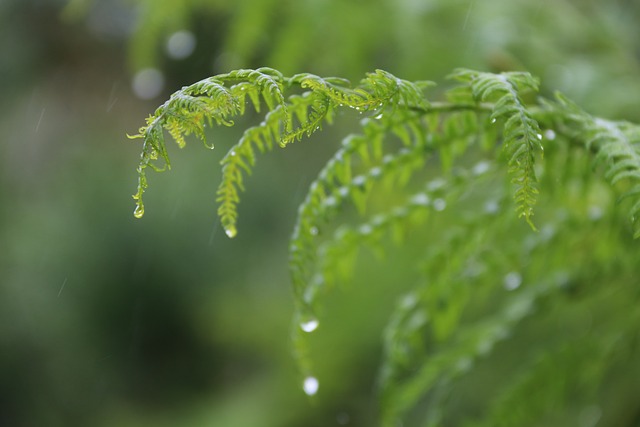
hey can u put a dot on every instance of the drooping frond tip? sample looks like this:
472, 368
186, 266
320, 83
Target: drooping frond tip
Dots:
290, 117
521, 133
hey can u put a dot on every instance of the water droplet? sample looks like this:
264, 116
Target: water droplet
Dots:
481, 167
139, 212
330, 201
310, 386
539, 136
595, 212
512, 281
314, 231
359, 181
491, 207
378, 117
493, 120
231, 231
436, 184
343, 191
439, 204
310, 325
365, 229
232, 153
408, 301
420, 199
550, 134
375, 172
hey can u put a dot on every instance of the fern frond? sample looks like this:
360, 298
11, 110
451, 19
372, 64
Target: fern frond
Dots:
522, 136
616, 145
456, 358
335, 185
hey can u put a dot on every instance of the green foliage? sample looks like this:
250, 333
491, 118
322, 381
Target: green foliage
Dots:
483, 275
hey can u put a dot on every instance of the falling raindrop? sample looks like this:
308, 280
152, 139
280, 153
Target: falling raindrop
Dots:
512, 281
310, 386
310, 325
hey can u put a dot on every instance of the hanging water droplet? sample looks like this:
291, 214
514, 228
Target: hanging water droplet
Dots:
139, 211
512, 281
378, 117
313, 231
493, 120
310, 385
231, 231
439, 204
550, 134
539, 136
233, 153
310, 324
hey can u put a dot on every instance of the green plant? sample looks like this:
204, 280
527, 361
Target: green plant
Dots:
487, 279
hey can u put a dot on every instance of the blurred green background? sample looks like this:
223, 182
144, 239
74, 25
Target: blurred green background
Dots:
106, 320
